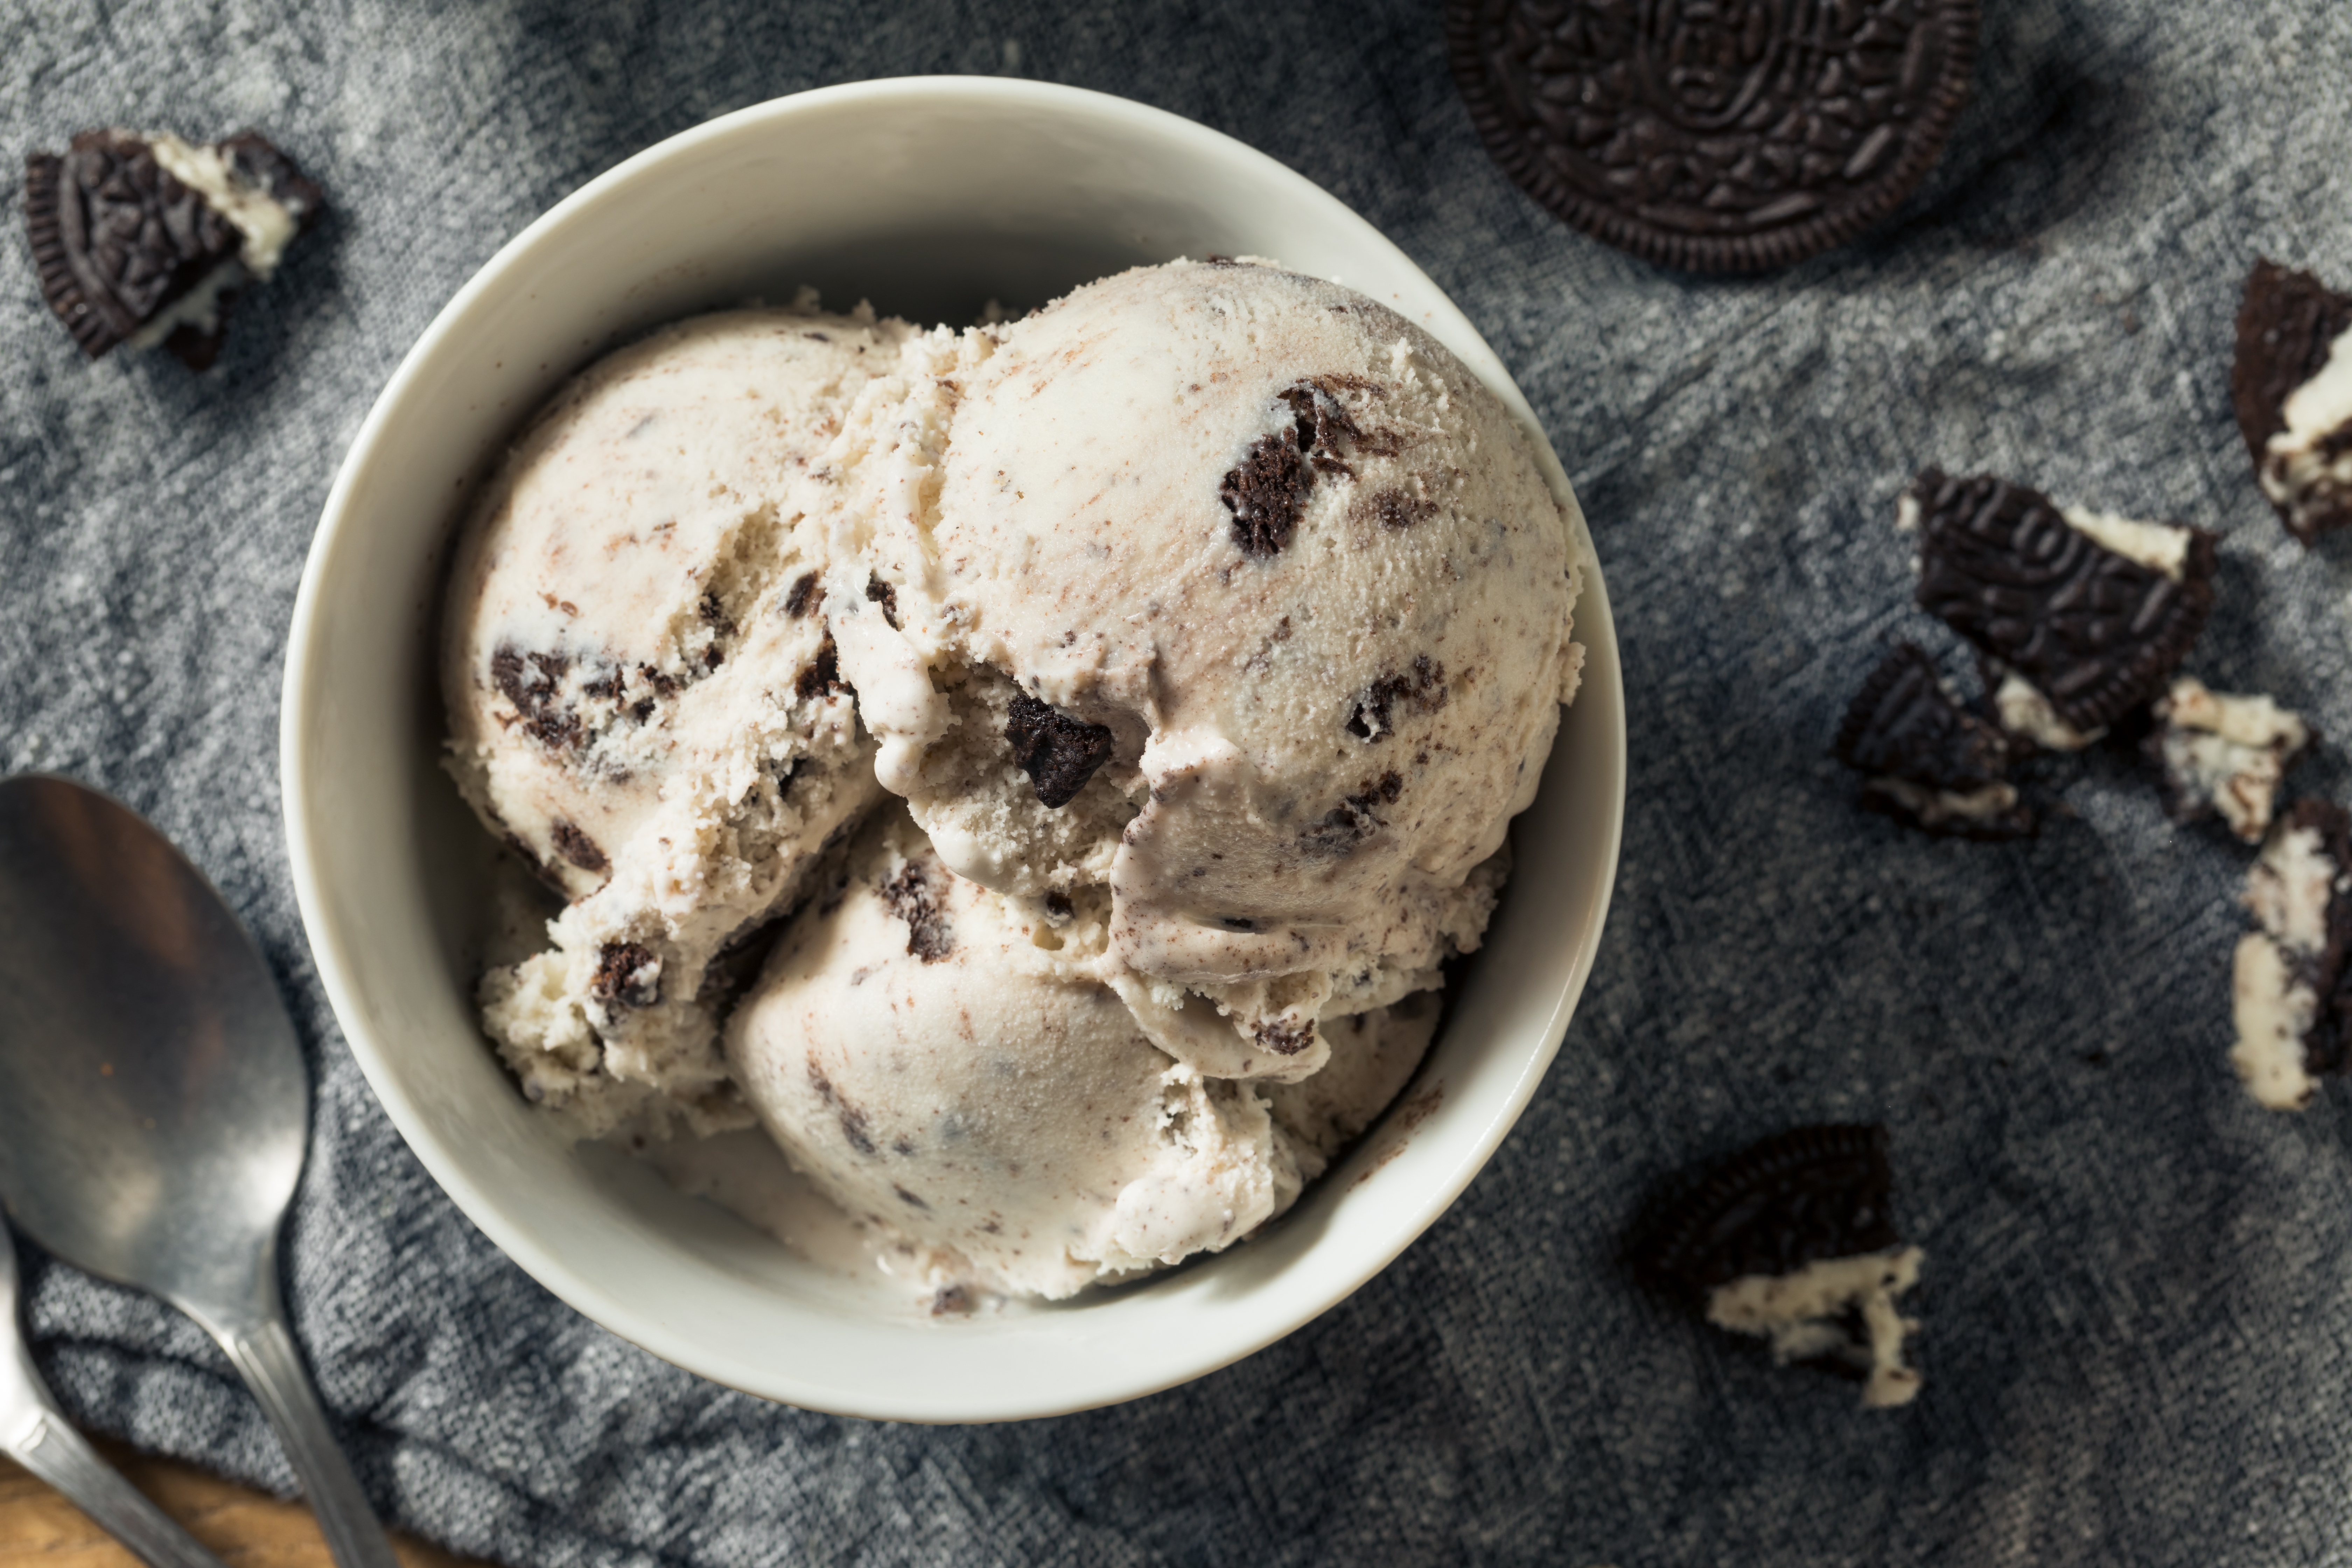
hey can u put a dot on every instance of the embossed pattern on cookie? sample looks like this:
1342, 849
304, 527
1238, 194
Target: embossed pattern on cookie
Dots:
2094, 612
1924, 759
1715, 135
144, 240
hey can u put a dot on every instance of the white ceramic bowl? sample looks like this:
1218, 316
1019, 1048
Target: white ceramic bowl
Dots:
930, 196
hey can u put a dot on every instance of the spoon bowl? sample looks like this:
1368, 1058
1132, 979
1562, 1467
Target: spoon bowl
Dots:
155, 1105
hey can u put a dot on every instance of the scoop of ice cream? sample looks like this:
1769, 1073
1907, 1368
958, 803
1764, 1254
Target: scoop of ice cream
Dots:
643, 696
940, 1061
1242, 597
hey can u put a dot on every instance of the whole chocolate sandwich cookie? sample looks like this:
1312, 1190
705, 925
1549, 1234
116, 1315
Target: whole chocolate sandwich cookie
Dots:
2292, 388
2223, 756
2287, 983
1710, 137
1793, 1240
2081, 616
142, 239
1924, 759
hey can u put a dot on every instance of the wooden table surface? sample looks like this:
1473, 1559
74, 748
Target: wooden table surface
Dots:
245, 1529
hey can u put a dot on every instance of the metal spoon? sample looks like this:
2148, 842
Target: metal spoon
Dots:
35, 1433
154, 1108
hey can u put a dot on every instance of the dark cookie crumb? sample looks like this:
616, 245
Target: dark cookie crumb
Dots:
853, 1125
1903, 725
1373, 718
910, 1199
877, 592
1285, 1037
1399, 511
1796, 1198
823, 674
2096, 633
807, 594
531, 682
620, 966
1266, 494
1058, 752
1355, 820
577, 847
912, 896
1059, 910
952, 1301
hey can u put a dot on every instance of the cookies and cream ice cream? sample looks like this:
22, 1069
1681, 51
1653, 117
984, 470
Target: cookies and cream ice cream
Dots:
1241, 597
642, 695
1212, 623
947, 1064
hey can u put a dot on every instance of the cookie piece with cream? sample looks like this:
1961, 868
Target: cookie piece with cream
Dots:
2291, 386
2223, 756
2081, 615
2287, 992
145, 240
1926, 760
1793, 1240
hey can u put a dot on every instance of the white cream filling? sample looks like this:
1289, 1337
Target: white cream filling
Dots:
2229, 752
2273, 1013
1906, 514
1801, 1314
2024, 710
198, 308
2289, 888
1934, 808
2158, 546
2292, 466
266, 223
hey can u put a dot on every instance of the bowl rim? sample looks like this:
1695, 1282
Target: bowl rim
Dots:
302, 809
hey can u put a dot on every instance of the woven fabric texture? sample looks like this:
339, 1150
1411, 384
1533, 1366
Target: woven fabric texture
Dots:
2138, 1346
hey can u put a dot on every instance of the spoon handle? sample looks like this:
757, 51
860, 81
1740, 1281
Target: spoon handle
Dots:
265, 1355
53, 1450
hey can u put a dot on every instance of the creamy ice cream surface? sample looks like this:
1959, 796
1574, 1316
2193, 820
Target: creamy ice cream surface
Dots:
947, 1068
1244, 598
1212, 623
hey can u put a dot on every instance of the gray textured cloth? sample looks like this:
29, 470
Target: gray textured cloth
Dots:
2138, 1344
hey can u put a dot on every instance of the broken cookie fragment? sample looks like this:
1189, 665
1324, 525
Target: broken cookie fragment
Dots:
1924, 759
2082, 615
1793, 1240
2223, 755
142, 239
1058, 752
2291, 385
2287, 992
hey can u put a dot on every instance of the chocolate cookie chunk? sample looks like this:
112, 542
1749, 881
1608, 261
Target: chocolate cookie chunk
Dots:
2297, 418
1267, 493
2094, 612
628, 975
1710, 136
1793, 1240
1924, 759
143, 239
1058, 752
2289, 995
